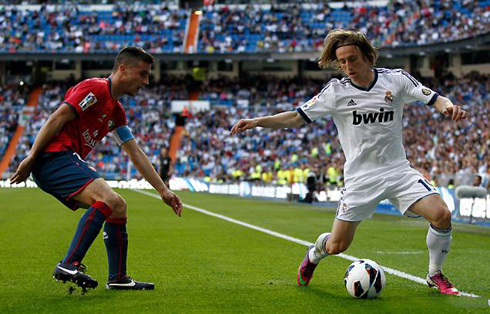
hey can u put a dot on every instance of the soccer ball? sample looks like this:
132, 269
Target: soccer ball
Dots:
364, 278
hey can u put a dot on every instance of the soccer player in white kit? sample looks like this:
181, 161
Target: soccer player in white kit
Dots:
367, 108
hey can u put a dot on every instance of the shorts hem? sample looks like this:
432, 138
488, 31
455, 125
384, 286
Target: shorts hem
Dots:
80, 189
417, 215
348, 220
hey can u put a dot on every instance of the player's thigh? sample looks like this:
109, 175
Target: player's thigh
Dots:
412, 194
434, 209
341, 236
99, 190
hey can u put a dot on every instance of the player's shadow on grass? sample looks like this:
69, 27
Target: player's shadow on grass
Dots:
322, 293
92, 295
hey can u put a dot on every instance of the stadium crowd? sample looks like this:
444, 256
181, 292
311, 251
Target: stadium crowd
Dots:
446, 153
13, 99
235, 29
287, 28
65, 27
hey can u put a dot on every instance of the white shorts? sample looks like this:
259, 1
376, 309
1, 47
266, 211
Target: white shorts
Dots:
402, 187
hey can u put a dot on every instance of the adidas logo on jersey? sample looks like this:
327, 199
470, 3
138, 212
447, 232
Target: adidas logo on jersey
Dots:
372, 117
351, 103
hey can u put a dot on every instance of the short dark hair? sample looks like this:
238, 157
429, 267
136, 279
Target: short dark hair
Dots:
130, 56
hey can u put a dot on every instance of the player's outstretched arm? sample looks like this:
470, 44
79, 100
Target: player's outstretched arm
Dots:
289, 119
54, 124
447, 108
144, 166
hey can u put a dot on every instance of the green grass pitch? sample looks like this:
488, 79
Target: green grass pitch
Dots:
200, 263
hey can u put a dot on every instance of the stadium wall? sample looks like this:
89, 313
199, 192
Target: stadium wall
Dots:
233, 68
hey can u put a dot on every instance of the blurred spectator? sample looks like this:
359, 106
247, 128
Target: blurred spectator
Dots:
12, 100
447, 153
477, 181
164, 165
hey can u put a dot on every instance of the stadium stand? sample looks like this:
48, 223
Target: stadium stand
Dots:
236, 28
13, 100
293, 28
282, 156
65, 28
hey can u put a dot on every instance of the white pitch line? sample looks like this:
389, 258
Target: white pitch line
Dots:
302, 242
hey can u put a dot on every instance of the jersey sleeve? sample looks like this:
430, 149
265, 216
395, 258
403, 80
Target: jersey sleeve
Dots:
415, 91
120, 116
84, 96
319, 106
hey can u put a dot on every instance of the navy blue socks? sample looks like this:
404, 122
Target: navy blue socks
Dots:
88, 228
116, 243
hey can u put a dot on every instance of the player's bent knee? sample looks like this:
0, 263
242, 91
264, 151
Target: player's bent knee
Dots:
117, 204
442, 217
120, 210
446, 215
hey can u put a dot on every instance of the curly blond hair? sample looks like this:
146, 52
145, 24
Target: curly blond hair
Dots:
338, 38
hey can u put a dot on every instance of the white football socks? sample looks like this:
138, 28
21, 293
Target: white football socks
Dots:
319, 252
438, 242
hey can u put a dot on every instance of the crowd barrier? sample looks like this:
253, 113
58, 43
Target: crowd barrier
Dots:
467, 210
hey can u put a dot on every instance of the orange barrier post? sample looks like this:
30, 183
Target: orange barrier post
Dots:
175, 141
10, 152
192, 32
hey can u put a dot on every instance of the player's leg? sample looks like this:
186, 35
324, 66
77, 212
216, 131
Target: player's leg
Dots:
334, 242
439, 237
434, 209
89, 225
104, 204
116, 242
411, 193
340, 238
357, 203
115, 235
63, 174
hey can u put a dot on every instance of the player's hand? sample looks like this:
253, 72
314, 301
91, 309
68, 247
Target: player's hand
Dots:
172, 200
243, 125
455, 112
23, 171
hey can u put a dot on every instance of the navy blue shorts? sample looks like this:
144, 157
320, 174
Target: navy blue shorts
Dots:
63, 174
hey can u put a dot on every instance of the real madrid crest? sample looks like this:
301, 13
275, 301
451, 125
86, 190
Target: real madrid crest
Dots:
344, 207
389, 97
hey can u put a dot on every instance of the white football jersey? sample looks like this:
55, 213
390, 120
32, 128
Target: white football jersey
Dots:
369, 120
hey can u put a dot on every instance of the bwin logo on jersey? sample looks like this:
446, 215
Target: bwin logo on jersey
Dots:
372, 117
